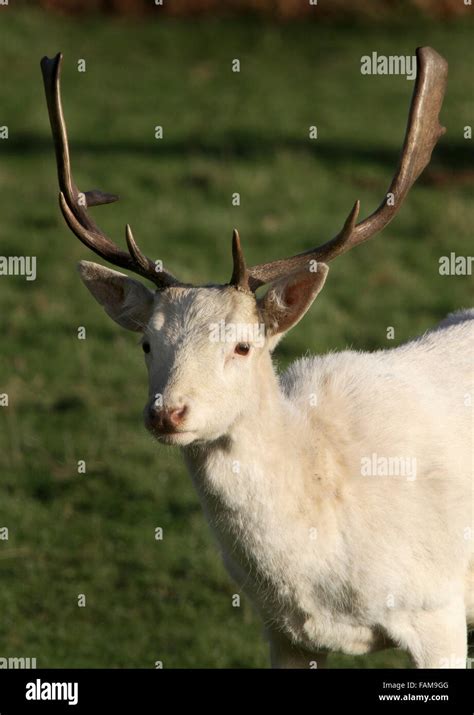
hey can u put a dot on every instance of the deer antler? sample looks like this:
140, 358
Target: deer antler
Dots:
74, 204
422, 134
240, 275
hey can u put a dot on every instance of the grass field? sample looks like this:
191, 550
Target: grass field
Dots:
71, 399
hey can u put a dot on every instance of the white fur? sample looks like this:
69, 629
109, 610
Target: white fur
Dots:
333, 560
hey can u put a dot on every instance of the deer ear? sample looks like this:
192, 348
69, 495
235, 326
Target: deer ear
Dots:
125, 300
289, 298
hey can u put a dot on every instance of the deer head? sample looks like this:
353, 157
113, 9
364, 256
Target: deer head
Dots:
207, 348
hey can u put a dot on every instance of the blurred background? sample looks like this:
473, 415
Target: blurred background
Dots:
224, 132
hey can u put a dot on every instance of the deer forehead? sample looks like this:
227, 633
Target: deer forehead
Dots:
191, 311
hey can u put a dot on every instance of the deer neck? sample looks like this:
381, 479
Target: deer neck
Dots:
244, 473
267, 490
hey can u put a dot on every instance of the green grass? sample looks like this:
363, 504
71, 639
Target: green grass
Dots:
70, 400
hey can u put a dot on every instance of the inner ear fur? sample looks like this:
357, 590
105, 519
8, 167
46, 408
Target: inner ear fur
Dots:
289, 298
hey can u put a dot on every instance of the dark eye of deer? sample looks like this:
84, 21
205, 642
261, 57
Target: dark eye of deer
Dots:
242, 348
146, 347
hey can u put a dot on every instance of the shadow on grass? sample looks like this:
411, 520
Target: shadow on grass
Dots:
243, 145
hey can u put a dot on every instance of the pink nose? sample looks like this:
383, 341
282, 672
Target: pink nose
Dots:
165, 420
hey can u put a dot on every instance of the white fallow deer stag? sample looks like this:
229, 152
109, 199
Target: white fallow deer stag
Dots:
334, 558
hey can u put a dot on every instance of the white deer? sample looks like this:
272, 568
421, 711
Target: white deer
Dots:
340, 492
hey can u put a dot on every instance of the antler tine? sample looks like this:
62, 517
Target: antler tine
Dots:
422, 133
74, 204
240, 276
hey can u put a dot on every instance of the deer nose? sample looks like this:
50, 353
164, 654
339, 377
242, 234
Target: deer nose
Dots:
166, 419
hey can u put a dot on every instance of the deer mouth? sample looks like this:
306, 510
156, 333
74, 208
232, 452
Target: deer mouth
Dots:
170, 436
177, 438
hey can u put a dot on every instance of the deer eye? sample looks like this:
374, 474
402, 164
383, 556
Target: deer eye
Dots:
242, 349
146, 347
